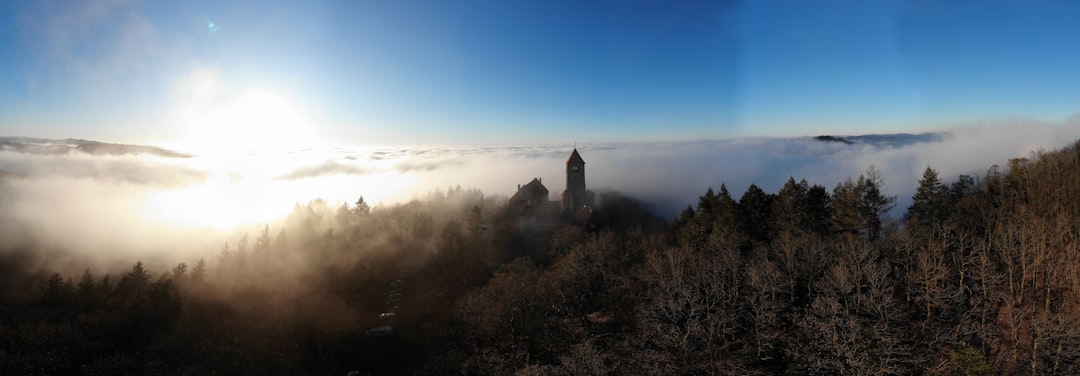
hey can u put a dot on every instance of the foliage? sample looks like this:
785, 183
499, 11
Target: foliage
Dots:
981, 277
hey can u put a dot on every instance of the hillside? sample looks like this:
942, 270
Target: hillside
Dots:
981, 276
55, 146
884, 140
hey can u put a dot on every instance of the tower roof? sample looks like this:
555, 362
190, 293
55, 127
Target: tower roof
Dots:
575, 158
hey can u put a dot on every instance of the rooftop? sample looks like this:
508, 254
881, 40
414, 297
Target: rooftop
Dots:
575, 158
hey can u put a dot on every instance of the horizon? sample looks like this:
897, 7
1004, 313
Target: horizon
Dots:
291, 102
259, 185
550, 72
328, 187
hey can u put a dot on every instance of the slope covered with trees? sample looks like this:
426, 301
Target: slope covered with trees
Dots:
980, 276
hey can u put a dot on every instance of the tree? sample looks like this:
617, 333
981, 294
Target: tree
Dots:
225, 259
344, 216
689, 309
858, 206
930, 205
458, 259
818, 208
476, 224
281, 242
726, 229
56, 293
241, 256
698, 228
87, 291
846, 219
509, 315
134, 284
198, 274
262, 245
874, 202
165, 304
684, 217
789, 212
755, 211
361, 209
180, 272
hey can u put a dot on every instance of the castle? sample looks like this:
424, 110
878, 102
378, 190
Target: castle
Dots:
575, 204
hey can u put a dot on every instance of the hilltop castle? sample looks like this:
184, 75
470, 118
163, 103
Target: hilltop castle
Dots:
575, 202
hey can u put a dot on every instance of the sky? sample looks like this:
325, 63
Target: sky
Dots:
219, 73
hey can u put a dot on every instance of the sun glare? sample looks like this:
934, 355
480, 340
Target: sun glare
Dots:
247, 189
216, 205
212, 116
257, 119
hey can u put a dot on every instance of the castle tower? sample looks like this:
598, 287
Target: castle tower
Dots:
575, 195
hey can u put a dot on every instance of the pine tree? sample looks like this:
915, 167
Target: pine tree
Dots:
874, 203
476, 225
241, 256
180, 272
788, 210
56, 293
133, 286
261, 252
361, 209
818, 208
198, 274
726, 229
755, 212
344, 216
930, 205
225, 259
846, 219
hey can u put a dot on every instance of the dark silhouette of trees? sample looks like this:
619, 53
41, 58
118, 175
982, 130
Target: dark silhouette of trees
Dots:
931, 203
57, 294
755, 212
859, 205
982, 276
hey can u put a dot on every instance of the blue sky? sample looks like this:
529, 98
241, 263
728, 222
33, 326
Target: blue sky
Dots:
530, 71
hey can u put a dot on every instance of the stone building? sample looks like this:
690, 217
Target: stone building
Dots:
537, 212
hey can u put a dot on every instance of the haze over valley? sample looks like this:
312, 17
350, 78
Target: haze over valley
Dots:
140, 201
539, 187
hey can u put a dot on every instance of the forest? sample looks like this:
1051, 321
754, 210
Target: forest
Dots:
980, 276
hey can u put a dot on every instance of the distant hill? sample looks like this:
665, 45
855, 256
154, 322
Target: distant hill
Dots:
65, 146
885, 140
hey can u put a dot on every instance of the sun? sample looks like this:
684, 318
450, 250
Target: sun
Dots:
213, 116
265, 118
261, 119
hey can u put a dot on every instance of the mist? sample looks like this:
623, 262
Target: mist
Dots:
251, 253
115, 208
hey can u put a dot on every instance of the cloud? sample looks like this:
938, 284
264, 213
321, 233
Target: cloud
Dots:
130, 169
78, 209
104, 206
671, 175
326, 168
676, 173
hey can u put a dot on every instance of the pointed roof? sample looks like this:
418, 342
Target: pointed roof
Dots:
535, 189
535, 186
575, 158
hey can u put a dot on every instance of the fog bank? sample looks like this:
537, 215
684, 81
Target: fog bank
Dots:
139, 206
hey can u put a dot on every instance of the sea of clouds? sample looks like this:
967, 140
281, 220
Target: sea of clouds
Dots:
142, 205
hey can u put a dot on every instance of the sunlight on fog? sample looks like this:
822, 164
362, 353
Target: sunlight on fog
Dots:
215, 204
254, 188
214, 116
139, 204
